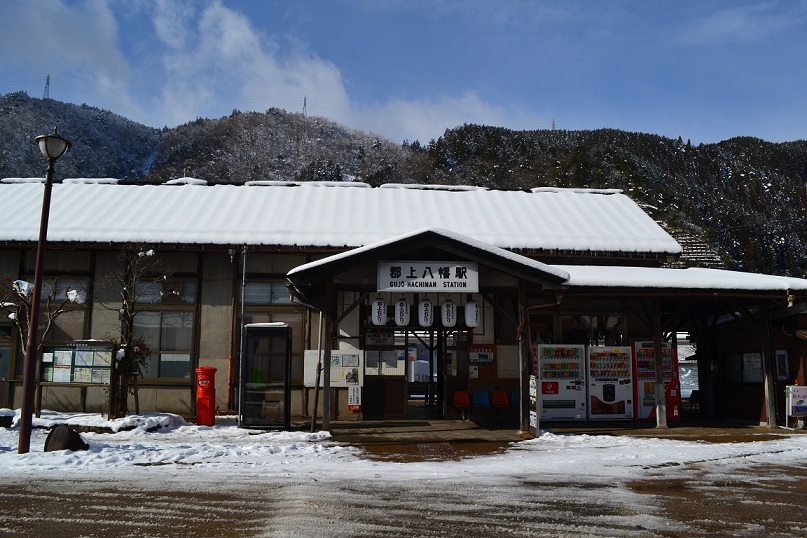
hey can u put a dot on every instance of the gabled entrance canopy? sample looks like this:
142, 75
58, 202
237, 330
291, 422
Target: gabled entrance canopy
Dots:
307, 282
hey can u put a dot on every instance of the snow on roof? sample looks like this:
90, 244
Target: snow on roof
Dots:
523, 260
556, 219
693, 278
431, 187
186, 181
93, 180
11, 180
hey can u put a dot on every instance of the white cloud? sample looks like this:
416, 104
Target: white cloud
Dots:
204, 60
59, 38
426, 119
743, 24
219, 61
171, 22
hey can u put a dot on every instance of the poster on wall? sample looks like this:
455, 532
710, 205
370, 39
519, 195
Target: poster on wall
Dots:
782, 364
346, 368
507, 362
354, 398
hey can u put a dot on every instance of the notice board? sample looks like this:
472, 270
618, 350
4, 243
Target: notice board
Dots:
80, 362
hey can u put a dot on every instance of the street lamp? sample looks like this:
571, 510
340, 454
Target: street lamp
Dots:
52, 147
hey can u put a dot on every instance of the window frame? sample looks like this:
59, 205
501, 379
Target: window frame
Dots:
167, 302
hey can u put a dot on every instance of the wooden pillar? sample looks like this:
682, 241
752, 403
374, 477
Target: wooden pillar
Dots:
661, 395
524, 357
768, 369
326, 355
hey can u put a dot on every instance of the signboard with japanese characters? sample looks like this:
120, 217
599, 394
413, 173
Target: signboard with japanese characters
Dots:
478, 354
796, 400
428, 276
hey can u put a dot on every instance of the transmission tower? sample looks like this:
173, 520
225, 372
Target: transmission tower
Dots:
46, 93
305, 106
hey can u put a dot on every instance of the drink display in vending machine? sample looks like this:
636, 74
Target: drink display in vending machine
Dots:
610, 383
645, 362
561, 381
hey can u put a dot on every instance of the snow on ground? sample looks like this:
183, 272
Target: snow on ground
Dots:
554, 485
146, 440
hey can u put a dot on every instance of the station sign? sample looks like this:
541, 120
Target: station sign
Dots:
428, 276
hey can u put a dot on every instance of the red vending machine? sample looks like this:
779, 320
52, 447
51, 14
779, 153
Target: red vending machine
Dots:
561, 373
610, 383
645, 361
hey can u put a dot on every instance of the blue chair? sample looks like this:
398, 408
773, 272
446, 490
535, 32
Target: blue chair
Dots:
515, 398
481, 398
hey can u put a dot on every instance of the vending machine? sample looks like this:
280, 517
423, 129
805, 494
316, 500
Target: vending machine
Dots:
561, 372
610, 383
645, 375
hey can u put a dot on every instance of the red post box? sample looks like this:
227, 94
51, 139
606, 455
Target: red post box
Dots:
206, 396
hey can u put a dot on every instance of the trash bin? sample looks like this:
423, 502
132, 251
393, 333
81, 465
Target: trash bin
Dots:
206, 396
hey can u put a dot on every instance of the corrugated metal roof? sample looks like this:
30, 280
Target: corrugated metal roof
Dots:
323, 215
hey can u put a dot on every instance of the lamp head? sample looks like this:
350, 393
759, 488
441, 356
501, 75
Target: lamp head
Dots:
52, 146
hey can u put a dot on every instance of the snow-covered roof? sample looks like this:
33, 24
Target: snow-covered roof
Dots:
326, 215
693, 278
437, 235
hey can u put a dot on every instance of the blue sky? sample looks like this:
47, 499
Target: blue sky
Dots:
700, 69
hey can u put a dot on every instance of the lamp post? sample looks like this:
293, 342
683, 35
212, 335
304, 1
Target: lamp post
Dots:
52, 147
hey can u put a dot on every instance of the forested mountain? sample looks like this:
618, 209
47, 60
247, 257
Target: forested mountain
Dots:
744, 197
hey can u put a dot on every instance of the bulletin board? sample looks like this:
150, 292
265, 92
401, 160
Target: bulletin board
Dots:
79, 363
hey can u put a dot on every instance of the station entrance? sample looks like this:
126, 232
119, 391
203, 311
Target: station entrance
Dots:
408, 373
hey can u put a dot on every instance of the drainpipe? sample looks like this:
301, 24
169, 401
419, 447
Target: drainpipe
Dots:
233, 320
241, 326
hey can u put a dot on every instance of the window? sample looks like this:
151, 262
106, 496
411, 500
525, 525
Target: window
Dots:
167, 292
752, 368
596, 329
264, 293
70, 323
167, 326
743, 368
293, 319
268, 302
5, 350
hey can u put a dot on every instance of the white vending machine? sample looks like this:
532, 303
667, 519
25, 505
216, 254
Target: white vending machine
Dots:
610, 383
561, 387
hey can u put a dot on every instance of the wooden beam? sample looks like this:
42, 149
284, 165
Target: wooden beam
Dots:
661, 393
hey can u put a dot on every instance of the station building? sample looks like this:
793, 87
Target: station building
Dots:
408, 294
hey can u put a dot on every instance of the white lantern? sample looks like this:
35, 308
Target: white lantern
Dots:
425, 313
449, 313
378, 312
473, 314
402, 313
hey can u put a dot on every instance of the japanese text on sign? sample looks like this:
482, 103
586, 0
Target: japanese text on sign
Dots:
438, 276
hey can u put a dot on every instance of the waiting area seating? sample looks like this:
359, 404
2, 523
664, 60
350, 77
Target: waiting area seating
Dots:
462, 402
498, 399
